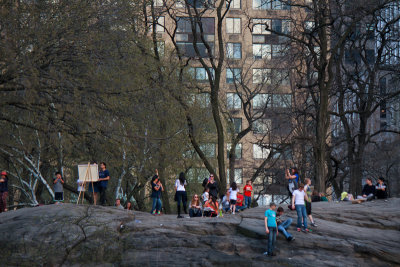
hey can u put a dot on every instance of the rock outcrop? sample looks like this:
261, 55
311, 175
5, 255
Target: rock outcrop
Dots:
366, 234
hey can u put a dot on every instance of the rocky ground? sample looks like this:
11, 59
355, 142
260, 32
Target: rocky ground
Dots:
348, 234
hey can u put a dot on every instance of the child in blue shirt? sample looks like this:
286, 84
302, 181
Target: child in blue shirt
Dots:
271, 228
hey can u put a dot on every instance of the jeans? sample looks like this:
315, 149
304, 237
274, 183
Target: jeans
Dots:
301, 213
271, 239
283, 226
181, 197
103, 197
238, 208
3, 201
195, 213
156, 204
247, 201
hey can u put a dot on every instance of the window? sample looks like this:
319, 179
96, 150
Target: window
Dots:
282, 101
237, 176
200, 74
197, 175
158, 2
208, 150
370, 56
203, 100
237, 125
160, 48
261, 101
233, 75
233, 101
180, 3
159, 24
234, 4
280, 77
238, 150
309, 26
262, 126
260, 152
281, 26
234, 50
184, 36
271, 4
278, 50
262, 76
262, 51
260, 26
201, 3
233, 25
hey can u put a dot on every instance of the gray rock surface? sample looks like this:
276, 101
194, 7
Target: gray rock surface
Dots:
348, 234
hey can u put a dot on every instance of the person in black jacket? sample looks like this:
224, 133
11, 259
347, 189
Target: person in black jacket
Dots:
213, 186
381, 189
368, 191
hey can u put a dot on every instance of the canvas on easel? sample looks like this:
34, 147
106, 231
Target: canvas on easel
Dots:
88, 173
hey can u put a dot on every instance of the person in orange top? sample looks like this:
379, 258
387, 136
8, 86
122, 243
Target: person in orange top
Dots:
211, 207
248, 188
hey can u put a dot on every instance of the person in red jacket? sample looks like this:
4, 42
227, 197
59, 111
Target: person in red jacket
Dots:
248, 188
239, 202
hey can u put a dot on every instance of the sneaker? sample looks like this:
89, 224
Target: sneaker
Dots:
265, 253
233, 213
306, 230
179, 217
158, 213
314, 225
154, 212
291, 238
298, 230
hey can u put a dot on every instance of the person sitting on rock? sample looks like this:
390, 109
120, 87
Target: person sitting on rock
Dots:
381, 189
368, 192
315, 196
283, 224
240, 202
211, 207
129, 206
225, 202
118, 204
195, 207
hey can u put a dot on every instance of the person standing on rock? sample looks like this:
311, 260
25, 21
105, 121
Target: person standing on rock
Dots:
294, 178
307, 189
212, 186
58, 182
233, 196
3, 191
104, 177
156, 191
298, 202
283, 225
180, 193
248, 188
271, 229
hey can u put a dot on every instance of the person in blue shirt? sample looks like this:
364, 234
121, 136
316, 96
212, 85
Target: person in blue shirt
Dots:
104, 176
271, 228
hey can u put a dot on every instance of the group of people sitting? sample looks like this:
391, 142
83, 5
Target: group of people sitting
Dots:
369, 191
209, 205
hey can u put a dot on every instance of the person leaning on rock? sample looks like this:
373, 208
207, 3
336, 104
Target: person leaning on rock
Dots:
283, 224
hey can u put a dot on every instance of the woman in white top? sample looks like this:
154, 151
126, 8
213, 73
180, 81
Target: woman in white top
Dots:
233, 196
180, 195
298, 201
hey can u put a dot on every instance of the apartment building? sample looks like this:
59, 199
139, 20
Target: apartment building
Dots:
256, 79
